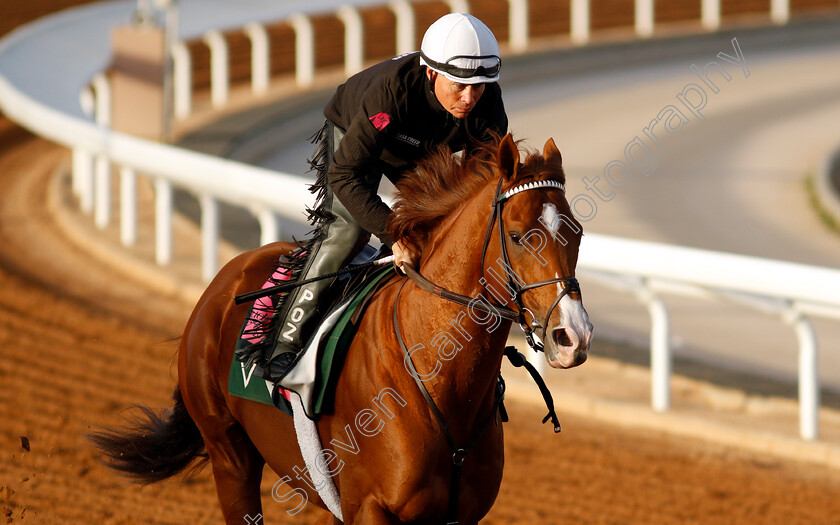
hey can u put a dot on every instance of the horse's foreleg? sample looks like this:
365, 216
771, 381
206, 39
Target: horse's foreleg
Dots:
237, 469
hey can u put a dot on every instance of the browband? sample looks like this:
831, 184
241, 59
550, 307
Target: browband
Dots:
531, 186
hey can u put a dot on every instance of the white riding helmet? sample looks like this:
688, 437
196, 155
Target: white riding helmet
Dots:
461, 48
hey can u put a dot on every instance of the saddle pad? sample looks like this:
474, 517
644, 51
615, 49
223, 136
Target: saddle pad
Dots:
330, 352
243, 383
333, 353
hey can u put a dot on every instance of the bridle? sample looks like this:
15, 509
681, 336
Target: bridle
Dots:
568, 285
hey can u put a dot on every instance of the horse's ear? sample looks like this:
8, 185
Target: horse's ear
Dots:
551, 154
508, 156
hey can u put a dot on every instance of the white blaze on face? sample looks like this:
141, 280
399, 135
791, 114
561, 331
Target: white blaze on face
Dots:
573, 317
551, 219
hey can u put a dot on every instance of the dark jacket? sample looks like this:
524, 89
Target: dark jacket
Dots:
391, 119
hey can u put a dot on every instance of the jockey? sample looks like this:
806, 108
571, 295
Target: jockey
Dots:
381, 122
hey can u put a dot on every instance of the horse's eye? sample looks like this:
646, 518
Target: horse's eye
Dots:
517, 240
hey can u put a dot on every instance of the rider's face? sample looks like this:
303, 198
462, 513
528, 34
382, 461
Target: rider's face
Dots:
456, 98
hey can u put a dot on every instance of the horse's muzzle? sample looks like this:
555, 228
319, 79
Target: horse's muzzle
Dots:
568, 343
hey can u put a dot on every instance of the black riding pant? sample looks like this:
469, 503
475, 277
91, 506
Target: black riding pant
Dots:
339, 240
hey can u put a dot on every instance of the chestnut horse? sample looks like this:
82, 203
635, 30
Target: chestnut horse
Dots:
418, 392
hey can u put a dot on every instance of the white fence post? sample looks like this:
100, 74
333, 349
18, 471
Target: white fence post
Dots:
102, 100
128, 206
710, 15
405, 25
102, 165
459, 6
81, 171
354, 39
182, 72
163, 222
171, 22
518, 25
219, 68
644, 18
269, 227
580, 21
260, 59
780, 11
102, 192
83, 178
209, 237
660, 351
809, 381
304, 49
87, 101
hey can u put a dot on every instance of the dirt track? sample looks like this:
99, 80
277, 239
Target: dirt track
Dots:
79, 344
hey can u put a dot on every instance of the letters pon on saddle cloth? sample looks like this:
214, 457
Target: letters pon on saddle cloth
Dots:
319, 364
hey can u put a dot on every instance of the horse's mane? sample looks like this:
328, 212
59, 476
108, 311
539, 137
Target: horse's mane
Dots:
443, 181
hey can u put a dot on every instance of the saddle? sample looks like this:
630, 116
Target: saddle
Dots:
318, 366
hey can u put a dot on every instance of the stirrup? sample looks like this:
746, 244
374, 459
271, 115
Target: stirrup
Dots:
280, 365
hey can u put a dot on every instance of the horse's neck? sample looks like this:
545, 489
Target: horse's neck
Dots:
453, 261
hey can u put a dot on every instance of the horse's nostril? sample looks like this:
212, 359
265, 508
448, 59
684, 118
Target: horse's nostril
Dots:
561, 338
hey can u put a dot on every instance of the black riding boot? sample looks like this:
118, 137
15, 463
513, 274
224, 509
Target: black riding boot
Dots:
335, 242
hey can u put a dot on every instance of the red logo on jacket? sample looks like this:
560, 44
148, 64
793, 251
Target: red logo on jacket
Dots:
380, 121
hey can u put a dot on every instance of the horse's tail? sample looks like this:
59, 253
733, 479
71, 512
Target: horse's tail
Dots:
154, 446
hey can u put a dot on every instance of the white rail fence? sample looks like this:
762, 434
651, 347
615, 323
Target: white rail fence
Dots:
268, 194
580, 33
795, 292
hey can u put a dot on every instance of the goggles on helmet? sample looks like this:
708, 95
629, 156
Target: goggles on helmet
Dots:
465, 72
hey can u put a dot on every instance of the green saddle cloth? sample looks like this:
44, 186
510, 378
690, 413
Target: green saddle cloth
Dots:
331, 355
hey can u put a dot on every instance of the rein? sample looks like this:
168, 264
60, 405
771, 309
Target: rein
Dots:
464, 300
459, 453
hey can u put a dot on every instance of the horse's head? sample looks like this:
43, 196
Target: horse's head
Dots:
536, 250
531, 243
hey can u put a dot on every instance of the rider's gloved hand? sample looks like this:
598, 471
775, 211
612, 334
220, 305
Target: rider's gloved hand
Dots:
404, 254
